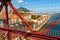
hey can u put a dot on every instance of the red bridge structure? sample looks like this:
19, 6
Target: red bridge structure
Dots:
37, 35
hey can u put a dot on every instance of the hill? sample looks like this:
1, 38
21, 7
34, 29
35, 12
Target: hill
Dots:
22, 10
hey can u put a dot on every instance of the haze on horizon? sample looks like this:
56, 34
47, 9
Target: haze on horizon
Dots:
38, 5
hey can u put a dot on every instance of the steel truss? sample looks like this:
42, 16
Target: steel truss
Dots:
32, 34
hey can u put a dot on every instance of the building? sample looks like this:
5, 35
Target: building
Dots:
38, 23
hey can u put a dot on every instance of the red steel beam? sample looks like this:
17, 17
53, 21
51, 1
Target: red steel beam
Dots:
20, 16
7, 21
47, 28
9, 35
27, 34
6, 10
31, 34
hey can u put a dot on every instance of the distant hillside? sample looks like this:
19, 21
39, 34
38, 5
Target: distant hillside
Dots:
22, 10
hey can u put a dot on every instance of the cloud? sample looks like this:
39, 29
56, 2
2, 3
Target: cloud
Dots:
20, 1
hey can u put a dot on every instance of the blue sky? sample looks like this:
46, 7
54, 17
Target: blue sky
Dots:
38, 5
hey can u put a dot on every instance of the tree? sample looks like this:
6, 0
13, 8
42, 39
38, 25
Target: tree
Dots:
35, 16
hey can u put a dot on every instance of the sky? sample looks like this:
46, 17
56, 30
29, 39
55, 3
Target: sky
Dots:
38, 5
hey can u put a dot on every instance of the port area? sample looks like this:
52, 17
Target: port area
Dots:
36, 20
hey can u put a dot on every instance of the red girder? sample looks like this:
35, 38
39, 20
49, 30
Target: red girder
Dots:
4, 0
6, 9
30, 34
20, 16
24, 33
47, 28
